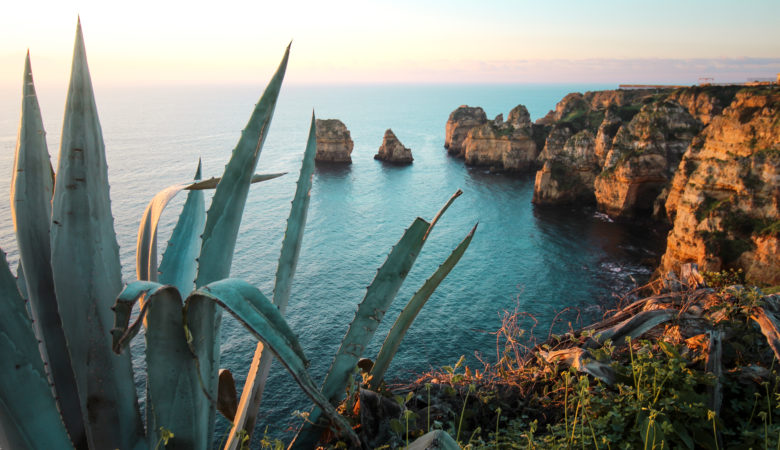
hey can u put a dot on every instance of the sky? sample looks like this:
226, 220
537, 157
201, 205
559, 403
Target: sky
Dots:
404, 41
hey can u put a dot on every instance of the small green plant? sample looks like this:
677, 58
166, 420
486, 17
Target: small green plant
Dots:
165, 436
724, 278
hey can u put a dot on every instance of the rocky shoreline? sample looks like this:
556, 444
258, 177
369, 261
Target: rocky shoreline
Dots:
704, 160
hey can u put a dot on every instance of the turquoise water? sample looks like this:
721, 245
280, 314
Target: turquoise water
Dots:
538, 260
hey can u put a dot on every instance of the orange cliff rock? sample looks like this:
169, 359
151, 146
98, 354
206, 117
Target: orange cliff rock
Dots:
643, 157
723, 201
706, 159
334, 143
505, 146
460, 122
393, 151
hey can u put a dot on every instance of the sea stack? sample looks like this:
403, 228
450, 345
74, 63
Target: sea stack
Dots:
503, 145
393, 151
334, 143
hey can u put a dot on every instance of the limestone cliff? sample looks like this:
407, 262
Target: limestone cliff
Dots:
704, 102
705, 159
460, 122
643, 155
334, 143
393, 151
723, 200
582, 128
503, 145
567, 175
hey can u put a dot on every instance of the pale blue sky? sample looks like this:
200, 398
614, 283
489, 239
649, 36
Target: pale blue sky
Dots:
233, 41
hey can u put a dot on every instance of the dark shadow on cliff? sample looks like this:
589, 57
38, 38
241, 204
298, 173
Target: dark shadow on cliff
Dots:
483, 173
640, 239
394, 165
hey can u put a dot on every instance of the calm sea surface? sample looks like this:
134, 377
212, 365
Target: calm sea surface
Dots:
537, 260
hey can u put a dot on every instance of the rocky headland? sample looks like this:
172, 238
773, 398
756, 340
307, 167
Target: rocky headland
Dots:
509, 145
704, 160
334, 143
393, 151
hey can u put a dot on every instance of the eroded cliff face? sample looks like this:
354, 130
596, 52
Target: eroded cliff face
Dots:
334, 143
502, 145
570, 167
582, 130
393, 151
723, 200
704, 102
642, 158
460, 122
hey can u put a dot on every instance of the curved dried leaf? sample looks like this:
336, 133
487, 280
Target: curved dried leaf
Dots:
146, 243
227, 397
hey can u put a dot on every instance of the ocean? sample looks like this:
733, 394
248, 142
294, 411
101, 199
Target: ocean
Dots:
539, 261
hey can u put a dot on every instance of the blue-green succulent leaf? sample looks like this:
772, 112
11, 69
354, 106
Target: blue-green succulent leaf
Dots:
222, 223
180, 261
296, 223
378, 298
261, 317
86, 269
252, 393
32, 186
175, 399
409, 313
227, 206
28, 413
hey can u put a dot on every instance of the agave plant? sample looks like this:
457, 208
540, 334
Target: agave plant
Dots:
67, 379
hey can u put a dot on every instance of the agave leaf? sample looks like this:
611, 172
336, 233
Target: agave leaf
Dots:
87, 273
370, 312
31, 191
296, 223
175, 398
28, 413
180, 260
227, 207
261, 317
378, 298
146, 244
409, 313
252, 393
222, 224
